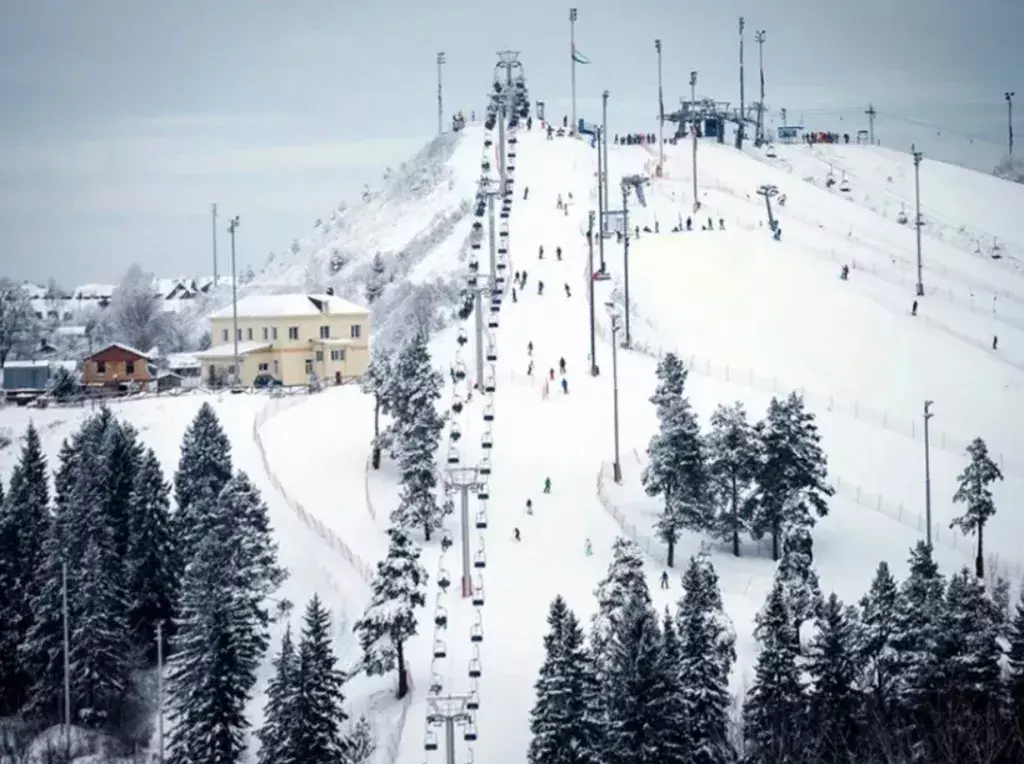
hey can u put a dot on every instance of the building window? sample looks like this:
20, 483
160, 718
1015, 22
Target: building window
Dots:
355, 331
293, 332
319, 356
129, 367
273, 332
225, 335
266, 333
309, 365
101, 367
325, 332
264, 367
239, 335
337, 355
248, 334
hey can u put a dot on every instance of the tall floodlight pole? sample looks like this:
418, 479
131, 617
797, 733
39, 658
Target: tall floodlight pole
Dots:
693, 130
1009, 121
232, 228
927, 473
743, 115
760, 37
625, 251
440, 97
67, 657
871, 123
160, 691
613, 314
661, 113
602, 202
604, 133
572, 59
213, 212
590, 289
917, 216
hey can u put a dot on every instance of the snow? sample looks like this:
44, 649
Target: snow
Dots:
125, 348
289, 306
227, 349
750, 316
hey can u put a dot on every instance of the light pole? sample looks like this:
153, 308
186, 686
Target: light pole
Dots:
440, 99
232, 228
604, 132
602, 201
739, 134
760, 37
927, 473
213, 211
590, 287
661, 114
917, 216
614, 315
693, 130
625, 249
572, 60
1009, 120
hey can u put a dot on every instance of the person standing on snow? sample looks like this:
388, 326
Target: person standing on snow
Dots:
565, 385
558, 253
529, 506
540, 287
561, 365
529, 369
913, 308
547, 485
551, 374
529, 348
540, 252
588, 548
515, 297
568, 292
515, 534
664, 579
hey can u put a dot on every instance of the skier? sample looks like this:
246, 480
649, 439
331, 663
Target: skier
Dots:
711, 224
515, 534
561, 365
558, 253
522, 281
995, 342
778, 233
526, 193
913, 308
551, 374
547, 485
515, 298
657, 227
529, 506
588, 548
689, 224
529, 348
721, 224
664, 579
560, 204
540, 287
568, 292
529, 369
540, 252
565, 386
844, 274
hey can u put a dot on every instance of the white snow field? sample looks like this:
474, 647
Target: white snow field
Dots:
751, 317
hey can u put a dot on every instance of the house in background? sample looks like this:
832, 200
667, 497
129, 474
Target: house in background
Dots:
293, 338
116, 365
186, 367
26, 380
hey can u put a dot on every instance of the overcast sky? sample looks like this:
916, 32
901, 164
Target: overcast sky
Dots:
122, 120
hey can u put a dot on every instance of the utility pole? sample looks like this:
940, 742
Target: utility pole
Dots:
67, 658
214, 213
465, 479
871, 123
783, 110
693, 130
232, 228
661, 114
447, 711
440, 99
625, 249
604, 132
572, 59
590, 279
743, 114
614, 315
1009, 120
602, 202
927, 473
917, 216
760, 37
160, 691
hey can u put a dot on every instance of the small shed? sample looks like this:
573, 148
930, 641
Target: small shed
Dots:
32, 376
167, 380
789, 133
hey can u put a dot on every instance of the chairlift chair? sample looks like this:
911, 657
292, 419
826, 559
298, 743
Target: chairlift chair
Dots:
901, 218
489, 385
478, 592
476, 631
473, 701
460, 370
443, 579
478, 226
483, 493
475, 245
455, 433
474, 265
845, 186
481, 520
430, 741
770, 152
503, 249
475, 668
487, 440
489, 413
471, 281
436, 686
492, 322
439, 649
469, 734
485, 465
485, 166
463, 337
453, 455
511, 155
503, 233
502, 265
480, 560
457, 406
440, 616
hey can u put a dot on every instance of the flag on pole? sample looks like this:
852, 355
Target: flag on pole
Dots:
578, 57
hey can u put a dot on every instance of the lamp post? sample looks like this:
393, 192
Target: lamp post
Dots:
917, 217
602, 201
693, 130
760, 36
927, 473
232, 228
743, 115
572, 60
661, 114
1009, 120
604, 132
625, 249
440, 99
590, 289
615, 317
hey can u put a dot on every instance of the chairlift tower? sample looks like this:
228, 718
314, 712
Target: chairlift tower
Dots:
627, 184
465, 479
508, 61
447, 711
917, 216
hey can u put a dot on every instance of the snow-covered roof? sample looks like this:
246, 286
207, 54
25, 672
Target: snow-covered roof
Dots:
292, 305
93, 291
69, 365
227, 350
126, 348
182, 361
70, 331
34, 291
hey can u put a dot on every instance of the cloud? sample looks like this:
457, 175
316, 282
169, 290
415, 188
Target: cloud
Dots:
179, 123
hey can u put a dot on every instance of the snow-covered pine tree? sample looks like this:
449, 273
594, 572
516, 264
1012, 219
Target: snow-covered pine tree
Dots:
377, 279
277, 745
798, 577
360, 742
834, 702
671, 376
317, 713
203, 469
732, 453
677, 471
24, 525
878, 614
707, 649
635, 687
1015, 666
121, 454
151, 575
390, 620
792, 473
974, 493
417, 435
675, 735
377, 382
625, 578
773, 717
561, 722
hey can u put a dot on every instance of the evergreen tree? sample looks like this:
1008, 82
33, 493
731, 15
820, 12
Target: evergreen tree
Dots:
377, 280
276, 736
974, 493
152, 582
561, 723
317, 712
707, 652
377, 381
625, 578
833, 700
203, 470
799, 580
361, 743
390, 620
792, 472
732, 450
24, 525
878, 619
676, 737
1015, 665
773, 712
968, 645
417, 435
671, 376
121, 453
635, 693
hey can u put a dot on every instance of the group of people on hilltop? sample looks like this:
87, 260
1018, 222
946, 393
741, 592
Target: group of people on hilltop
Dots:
635, 139
813, 137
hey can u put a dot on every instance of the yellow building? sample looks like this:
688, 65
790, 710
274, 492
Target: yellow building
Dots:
292, 338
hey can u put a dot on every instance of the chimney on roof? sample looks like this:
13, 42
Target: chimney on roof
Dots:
330, 291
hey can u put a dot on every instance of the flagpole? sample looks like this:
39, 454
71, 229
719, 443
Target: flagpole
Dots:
572, 58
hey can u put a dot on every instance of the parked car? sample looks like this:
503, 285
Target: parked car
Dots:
265, 381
